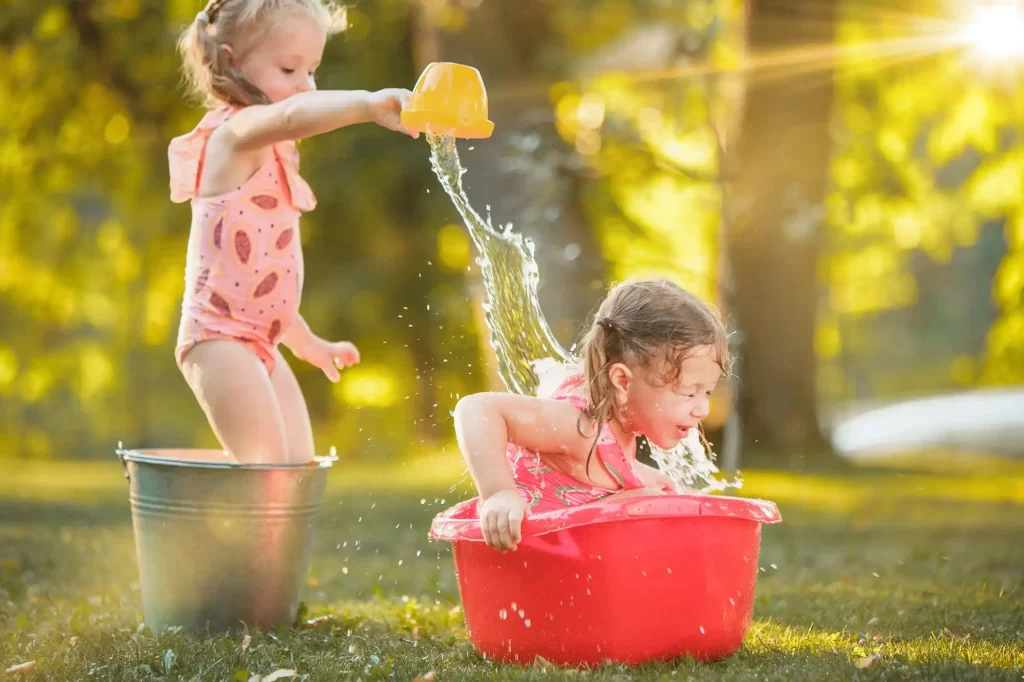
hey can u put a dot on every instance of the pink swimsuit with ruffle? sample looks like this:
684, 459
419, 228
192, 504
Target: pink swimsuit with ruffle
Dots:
547, 489
244, 269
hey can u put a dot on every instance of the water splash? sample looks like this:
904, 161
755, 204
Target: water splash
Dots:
519, 331
530, 359
691, 466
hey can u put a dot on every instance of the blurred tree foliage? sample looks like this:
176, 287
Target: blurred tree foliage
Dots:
926, 172
92, 251
615, 119
649, 135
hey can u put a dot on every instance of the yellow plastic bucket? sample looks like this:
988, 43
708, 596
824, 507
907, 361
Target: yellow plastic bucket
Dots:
449, 99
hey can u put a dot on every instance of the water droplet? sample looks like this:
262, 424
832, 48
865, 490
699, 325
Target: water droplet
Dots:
503, 614
527, 622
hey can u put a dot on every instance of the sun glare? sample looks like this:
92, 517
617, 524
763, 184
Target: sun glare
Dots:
996, 32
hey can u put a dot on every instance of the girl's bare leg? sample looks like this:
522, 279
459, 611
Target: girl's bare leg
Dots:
233, 389
297, 429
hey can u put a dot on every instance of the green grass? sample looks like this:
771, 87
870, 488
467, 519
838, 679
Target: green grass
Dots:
926, 570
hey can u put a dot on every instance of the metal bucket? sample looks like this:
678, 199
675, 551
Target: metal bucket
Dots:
221, 543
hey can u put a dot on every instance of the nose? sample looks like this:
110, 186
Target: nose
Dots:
701, 408
306, 84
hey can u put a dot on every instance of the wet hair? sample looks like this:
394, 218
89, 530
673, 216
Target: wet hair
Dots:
239, 24
644, 323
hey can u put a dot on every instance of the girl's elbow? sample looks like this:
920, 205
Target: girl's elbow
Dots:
467, 404
476, 408
292, 117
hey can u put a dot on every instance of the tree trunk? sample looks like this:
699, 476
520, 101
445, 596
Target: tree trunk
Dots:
777, 172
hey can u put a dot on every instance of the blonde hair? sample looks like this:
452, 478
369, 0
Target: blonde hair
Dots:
238, 24
641, 322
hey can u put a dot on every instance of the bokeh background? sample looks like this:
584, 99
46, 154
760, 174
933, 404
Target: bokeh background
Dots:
844, 179
853, 202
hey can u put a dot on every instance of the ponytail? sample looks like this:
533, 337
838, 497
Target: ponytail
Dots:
209, 72
602, 347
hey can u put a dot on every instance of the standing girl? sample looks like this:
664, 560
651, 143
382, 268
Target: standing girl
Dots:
253, 62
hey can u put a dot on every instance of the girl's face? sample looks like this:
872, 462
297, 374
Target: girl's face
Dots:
665, 413
284, 60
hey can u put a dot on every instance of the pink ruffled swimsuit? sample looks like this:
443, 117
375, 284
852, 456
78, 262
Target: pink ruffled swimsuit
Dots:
244, 269
546, 489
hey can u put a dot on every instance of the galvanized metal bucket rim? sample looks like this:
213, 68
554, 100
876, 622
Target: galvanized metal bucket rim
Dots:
141, 456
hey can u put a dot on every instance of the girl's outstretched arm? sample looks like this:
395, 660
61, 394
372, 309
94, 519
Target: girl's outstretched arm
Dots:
312, 113
486, 422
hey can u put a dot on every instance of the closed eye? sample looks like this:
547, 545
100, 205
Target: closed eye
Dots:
288, 71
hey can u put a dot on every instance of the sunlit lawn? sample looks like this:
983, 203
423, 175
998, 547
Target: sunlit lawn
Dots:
926, 570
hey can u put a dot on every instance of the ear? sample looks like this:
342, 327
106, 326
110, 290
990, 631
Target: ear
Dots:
620, 377
229, 55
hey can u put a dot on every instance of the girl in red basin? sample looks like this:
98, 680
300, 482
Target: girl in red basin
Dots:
652, 357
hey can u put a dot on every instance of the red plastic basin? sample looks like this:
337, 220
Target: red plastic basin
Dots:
628, 581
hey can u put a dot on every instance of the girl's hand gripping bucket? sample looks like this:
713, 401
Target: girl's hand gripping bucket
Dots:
220, 543
631, 580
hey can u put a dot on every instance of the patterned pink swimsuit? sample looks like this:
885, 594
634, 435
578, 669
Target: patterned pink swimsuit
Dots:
244, 269
547, 489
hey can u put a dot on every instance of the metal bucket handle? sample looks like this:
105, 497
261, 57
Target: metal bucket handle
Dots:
120, 455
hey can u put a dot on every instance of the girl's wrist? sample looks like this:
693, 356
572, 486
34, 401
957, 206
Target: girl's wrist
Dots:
493, 490
369, 113
299, 337
372, 103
